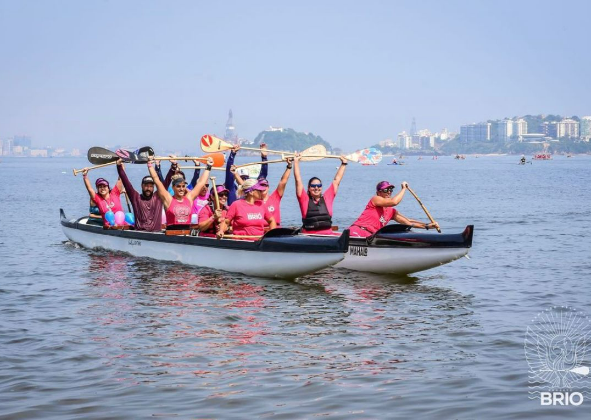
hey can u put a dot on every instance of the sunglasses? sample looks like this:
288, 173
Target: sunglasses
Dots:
387, 190
315, 186
223, 195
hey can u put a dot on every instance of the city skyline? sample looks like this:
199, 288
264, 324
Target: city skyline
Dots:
152, 73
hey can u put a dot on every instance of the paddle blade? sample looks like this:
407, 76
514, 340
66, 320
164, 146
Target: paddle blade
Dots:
126, 155
370, 156
211, 144
218, 159
316, 152
252, 171
100, 156
142, 154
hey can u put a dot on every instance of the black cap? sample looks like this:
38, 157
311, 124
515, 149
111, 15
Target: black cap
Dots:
147, 180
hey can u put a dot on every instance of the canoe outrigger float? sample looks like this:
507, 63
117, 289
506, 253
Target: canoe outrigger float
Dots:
281, 253
396, 249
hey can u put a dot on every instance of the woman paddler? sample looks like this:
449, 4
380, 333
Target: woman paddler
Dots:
247, 217
177, 207
316, 206
210, 217
272, 201
105, 198
379, 211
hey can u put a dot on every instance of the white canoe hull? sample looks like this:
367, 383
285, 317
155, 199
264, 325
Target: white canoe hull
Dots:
249, 262
398, 260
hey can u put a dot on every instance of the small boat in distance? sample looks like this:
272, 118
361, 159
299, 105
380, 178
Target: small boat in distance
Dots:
542, 156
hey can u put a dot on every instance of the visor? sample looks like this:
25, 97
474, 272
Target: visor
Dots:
256, 187
179, 180
101, 181
220, 189
383, 185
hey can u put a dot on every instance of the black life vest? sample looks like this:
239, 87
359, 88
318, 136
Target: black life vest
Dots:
317, 216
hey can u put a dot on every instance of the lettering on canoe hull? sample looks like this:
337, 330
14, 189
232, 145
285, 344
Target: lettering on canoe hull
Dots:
358, 251
134, 242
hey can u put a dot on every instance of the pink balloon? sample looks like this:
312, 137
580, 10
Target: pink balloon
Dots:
119, 218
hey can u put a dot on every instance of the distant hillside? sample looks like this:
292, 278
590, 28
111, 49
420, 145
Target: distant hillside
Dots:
289, 140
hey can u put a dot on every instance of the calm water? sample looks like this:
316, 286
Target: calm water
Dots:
90, 334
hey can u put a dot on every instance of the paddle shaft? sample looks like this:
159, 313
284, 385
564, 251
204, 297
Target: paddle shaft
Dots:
260, 163
127, 201
201, 167
423, 207
185, 158
77, 171
215, 192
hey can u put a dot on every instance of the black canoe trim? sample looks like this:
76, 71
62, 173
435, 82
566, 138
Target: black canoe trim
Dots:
400, 236
284, 240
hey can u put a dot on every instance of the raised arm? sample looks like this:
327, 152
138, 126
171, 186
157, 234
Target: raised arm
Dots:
125, 180
283, 181
162, 192
159, 172
229, 181
296, 174
88, 185
237, 177
339, 175
265, 166
392, 201
202, 181
195, 174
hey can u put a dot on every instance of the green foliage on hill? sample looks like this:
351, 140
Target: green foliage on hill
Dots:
290, 140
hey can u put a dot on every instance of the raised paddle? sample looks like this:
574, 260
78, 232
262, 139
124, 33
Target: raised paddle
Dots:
211, 144
201, 167
218, 158
260, 163
423, 207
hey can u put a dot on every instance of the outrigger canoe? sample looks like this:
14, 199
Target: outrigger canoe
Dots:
396, 249
280, 253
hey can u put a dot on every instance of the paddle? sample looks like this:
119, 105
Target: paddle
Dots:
211, 144
77, 171
260, 163
423, 207
100, 156
201, 167
369, 156
218, 158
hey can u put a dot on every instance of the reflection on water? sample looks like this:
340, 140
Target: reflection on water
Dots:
179, 323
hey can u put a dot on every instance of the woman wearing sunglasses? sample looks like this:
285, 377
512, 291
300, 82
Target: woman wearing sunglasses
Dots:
178, 205
380, 210
316, 206
209, 217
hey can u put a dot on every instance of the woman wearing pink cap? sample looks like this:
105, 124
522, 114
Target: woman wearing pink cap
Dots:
105, 198
209, 217
178, 206
379, 211
247, 217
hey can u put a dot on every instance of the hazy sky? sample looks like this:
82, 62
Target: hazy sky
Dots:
162, 73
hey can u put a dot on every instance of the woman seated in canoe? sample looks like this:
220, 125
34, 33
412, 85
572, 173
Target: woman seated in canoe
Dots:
104, 197
248, 216
316, 206
379, 211
272, 201
210, 217
177, 207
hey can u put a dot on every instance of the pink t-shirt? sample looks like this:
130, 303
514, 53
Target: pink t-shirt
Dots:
374, 218
113, 203
248, 219
328, 195
205, 213
273, 204
200, 202
179, 213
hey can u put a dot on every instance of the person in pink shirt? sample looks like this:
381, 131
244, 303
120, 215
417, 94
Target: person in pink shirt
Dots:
209, 217
380, 210
315, 205
105, 198
177, 207
272, 201
247, 217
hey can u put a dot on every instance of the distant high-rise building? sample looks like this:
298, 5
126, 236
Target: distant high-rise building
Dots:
413, 127
7, 147
519, 128
475, 132
585, 128
567, 128
230, 129
550, 129
404, 140
23, 141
